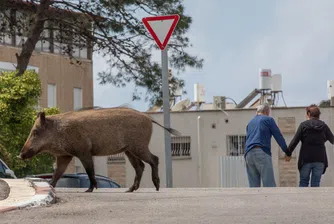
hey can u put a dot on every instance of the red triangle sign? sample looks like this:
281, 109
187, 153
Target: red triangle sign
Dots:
161, 28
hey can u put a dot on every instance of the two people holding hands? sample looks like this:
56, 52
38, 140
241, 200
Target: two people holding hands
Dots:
313, 133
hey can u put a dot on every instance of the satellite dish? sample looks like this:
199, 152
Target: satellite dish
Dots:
181, 105
127, 105
154, 109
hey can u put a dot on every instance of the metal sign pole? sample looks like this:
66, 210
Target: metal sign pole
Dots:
165, 94
161, 30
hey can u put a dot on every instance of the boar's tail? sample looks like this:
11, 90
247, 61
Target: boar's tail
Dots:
170, 130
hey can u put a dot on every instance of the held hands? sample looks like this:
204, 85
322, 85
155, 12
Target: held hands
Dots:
287, 158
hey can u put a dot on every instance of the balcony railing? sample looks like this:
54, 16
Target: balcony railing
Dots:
120, 157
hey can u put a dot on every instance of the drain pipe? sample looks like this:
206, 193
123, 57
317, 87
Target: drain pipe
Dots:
199, 162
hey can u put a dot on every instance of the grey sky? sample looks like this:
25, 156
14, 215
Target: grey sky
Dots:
237, 37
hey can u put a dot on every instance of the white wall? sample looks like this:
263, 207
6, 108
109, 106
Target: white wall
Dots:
181, 168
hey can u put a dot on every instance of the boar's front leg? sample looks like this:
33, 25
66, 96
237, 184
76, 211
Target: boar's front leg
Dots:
87, 162
62, 163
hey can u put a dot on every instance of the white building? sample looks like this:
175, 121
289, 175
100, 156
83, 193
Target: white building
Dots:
210, 142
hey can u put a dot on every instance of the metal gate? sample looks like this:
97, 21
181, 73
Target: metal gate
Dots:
233, 171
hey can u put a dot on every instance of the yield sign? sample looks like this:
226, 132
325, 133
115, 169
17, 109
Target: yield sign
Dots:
161, 28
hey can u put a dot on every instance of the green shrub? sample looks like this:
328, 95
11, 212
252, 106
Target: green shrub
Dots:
18, 98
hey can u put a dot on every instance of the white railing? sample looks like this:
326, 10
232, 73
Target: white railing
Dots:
117, 157
233, 171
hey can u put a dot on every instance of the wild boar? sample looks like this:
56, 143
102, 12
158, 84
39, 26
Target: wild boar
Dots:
89, 133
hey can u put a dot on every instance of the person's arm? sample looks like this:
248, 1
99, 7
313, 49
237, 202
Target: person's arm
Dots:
278, 135
294, 142
329, 135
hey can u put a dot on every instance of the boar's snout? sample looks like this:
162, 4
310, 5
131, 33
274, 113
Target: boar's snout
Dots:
26, 154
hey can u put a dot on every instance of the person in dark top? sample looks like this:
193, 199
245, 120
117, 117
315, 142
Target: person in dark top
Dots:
313, 134
258, 148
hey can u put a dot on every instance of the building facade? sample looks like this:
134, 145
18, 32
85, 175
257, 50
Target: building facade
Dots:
213, 142
64, 85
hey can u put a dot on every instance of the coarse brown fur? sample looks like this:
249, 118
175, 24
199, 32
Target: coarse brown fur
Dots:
88, 133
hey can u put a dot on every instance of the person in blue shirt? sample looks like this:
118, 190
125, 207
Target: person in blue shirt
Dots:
258, 148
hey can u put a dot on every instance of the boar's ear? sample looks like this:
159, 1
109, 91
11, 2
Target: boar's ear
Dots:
41, 116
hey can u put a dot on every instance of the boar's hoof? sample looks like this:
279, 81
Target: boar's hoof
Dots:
131, 189
52, 183
89, 190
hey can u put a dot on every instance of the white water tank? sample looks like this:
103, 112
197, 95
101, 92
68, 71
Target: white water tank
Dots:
330, 88
276, 83
265, 79
199, 93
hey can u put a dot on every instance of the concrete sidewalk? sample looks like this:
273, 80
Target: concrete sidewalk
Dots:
26, 193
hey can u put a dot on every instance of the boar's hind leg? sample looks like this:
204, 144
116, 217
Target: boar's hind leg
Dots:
139, 167
87, 162
153, 160
62, 163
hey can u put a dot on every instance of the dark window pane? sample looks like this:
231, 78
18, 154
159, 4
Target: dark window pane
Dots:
113, 185
84, 183
103, 184
2, 168
68, 183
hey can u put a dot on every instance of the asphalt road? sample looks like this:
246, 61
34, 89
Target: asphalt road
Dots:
4, 190
278, 205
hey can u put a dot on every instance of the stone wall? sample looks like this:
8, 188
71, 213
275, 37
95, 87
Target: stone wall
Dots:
116, 172
288, 172
71, 167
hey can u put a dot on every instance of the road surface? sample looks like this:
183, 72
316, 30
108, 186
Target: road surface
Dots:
277, 205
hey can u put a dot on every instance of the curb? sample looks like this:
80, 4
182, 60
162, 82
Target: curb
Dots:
43, 195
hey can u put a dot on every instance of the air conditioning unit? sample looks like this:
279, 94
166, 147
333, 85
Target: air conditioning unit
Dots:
219, 102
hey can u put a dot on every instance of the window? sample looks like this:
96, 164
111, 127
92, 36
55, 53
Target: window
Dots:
84, 53
52, 99
68, 183
181, 146
2, 168
236, 145
55, 38
103, 184
80, 50
5, 32
84, 182
113, 185
77, 98
7, 66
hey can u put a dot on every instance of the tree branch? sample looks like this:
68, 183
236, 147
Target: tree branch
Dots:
33, 37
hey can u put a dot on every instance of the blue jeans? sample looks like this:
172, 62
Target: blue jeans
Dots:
316, 169
259, 166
